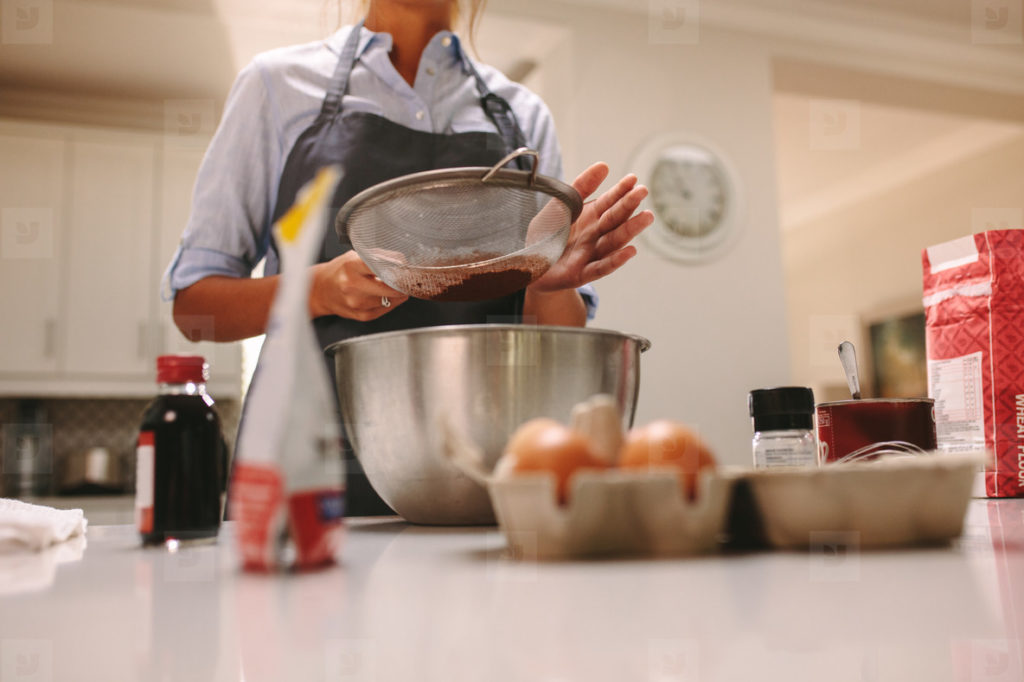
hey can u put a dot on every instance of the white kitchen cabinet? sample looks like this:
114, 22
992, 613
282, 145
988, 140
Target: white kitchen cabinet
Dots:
32, 169
82, 312
110, 239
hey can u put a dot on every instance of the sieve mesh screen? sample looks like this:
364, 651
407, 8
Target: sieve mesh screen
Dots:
450, 235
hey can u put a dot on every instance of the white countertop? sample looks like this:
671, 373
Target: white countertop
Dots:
416, 604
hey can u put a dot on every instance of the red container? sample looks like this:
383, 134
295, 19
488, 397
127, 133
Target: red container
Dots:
846, 426
974, 319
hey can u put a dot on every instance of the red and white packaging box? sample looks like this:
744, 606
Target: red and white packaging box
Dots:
974, 319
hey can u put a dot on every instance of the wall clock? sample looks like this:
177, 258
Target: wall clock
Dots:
694, 195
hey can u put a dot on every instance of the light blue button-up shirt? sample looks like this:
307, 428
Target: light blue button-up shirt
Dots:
279, 94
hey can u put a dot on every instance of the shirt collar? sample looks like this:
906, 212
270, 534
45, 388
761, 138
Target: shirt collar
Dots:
368, 39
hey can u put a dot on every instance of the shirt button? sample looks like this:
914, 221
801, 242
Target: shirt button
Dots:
430, 71
419, 115
446, 41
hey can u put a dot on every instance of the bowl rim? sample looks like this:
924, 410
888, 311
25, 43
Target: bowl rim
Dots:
446, 329
876, 401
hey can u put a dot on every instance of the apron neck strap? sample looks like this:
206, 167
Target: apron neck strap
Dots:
339, 80
496, 108
500, 113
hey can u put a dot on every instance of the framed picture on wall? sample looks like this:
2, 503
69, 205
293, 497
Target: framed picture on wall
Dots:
898, 356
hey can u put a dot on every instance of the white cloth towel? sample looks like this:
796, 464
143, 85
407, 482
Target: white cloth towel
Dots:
25, 526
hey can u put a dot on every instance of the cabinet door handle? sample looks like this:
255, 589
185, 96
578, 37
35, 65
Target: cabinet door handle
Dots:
49, 338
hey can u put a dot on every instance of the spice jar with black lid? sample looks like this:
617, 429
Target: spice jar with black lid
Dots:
783, 426
181, 456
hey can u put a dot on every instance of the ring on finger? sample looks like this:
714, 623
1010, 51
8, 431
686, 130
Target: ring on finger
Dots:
385, 301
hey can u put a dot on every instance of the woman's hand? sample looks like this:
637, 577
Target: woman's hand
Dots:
599, 239
345, 286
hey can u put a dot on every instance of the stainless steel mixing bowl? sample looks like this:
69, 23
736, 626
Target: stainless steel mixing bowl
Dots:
395, 387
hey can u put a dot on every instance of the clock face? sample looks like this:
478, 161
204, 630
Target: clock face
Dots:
694, 195
689, 192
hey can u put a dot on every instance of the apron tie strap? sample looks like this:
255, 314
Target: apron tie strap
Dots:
500, 113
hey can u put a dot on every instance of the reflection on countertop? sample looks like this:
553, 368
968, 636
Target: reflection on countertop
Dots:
419, 603
30, 571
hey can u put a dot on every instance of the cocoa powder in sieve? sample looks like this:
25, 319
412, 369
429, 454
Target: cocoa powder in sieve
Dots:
463, 282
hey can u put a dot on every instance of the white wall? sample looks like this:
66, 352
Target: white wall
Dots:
718, 330
850, 267
724, 328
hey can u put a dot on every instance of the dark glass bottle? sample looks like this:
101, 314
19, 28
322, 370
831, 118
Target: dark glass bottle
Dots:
181, 456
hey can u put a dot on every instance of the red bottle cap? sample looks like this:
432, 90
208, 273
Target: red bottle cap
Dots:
181, 369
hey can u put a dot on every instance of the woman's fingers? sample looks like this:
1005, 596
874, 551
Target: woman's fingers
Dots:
599, 244
605, 266
620, 211
610, 198
371, 306
618, 225
367, 282
374, 287
624, 233
350, 289
613, 208
587, 182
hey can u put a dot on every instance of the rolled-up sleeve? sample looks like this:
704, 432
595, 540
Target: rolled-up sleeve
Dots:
589, 296
228, 231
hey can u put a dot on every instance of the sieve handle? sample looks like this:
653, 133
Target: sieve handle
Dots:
522, 151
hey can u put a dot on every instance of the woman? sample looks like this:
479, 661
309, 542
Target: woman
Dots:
393, 96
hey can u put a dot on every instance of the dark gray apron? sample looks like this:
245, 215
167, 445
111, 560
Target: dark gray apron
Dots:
372, 149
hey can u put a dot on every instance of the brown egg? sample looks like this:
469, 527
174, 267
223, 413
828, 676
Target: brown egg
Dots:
665, 443
546, 445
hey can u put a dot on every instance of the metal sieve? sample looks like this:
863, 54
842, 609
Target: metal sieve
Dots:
461, 234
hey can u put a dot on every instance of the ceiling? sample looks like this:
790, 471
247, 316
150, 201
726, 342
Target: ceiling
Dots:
954, 12
950, 15
176, 48
873, 149
193, 48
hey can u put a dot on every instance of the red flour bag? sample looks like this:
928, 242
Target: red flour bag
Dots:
974, 316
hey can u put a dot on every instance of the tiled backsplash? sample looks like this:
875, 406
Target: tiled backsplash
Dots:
70, 425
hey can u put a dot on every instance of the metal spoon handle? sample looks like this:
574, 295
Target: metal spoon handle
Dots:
848, 356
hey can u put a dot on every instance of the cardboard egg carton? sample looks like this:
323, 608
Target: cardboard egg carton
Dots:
889, 502
610, 513
899, 501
